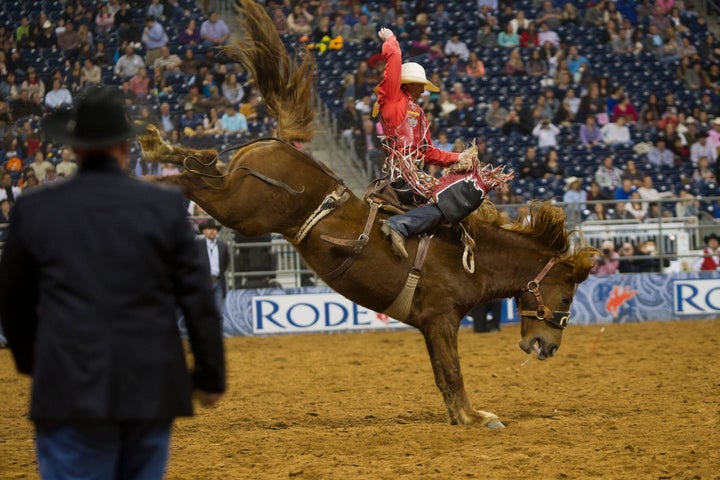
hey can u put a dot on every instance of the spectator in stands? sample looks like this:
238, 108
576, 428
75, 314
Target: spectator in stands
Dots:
703, 173
703, 148
104, 20
154, 38
626, 189
8, 191
67, 167
167, 121
710, 261
514, 126
443, 143
69, 39
155, 9
214, 32
140, 84
552, 168
536, 66
299, 20
474, 67
531, 166
714, 133
496, 114
626, 109
364, 30
529, 37
637, 208
608, 262
340, 28
659, 155
39, 164
687, 206
628, 264
23, 106
190, 36
591, 103
47, 38
548, 36
9, 88
168, 63
128, 64
232, 121
91, 73
101, 56
546, 134
508, 38
128, 96
33, 83
575, 60
648, 192
590, 134
58, 97
621, 213
616, 132
575, 198
455, 46
632, 173
487, 37
368, 147
607, 175
189, 120
595, 193
515, 65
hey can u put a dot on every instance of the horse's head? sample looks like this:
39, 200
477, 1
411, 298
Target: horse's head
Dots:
544, 303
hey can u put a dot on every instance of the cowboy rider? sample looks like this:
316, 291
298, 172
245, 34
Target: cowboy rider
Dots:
409, 145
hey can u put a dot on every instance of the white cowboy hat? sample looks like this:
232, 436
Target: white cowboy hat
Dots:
570, 180
414, 73
716, 121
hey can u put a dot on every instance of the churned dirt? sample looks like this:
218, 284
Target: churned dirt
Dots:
639, 401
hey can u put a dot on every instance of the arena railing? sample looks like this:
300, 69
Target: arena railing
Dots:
270, 261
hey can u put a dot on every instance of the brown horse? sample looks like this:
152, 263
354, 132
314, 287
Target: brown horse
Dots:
270, 186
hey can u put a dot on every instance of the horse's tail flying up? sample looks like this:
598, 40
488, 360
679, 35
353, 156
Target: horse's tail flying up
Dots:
285, 83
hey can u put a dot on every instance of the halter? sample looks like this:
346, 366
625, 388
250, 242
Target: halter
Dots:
558, 318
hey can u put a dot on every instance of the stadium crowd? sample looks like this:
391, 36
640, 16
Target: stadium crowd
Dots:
585, 100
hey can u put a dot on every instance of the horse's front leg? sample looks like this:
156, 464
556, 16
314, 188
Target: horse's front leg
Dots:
441, 341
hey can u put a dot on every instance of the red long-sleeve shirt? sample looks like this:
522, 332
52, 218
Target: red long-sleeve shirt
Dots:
404, 122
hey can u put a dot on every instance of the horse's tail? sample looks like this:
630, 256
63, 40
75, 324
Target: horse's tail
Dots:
285, 83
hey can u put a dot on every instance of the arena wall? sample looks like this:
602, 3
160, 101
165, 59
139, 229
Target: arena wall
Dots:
600, 299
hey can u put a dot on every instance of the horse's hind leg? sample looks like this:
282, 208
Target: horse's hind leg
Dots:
156, 149
441, 341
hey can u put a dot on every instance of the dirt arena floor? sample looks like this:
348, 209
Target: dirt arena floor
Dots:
644, 405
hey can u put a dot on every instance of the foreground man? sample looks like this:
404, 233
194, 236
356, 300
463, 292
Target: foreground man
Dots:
91, 277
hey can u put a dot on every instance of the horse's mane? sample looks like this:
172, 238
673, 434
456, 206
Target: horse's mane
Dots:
285, 83
545, 225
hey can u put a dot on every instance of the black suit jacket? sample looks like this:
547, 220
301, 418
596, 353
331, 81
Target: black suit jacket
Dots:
223, 257
91, 277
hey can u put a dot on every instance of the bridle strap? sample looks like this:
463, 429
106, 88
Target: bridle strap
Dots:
543, 312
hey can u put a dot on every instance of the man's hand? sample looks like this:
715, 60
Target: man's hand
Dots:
207, 399
466, 161
385, 33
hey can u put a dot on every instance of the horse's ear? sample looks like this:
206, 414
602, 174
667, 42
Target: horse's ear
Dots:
583, 261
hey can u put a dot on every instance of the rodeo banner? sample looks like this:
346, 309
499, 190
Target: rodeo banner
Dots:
600, 299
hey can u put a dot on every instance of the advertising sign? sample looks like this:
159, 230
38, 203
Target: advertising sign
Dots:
696, 297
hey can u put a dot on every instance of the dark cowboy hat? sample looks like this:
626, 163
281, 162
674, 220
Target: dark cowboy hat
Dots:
98, 120
210, 224
712, 236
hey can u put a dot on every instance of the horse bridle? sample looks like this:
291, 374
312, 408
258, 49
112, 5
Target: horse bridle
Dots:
558, 318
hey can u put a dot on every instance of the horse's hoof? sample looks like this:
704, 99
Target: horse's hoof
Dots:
494, 424
490, 420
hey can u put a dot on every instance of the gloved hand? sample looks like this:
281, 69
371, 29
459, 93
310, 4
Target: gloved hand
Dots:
466, 161
385, 33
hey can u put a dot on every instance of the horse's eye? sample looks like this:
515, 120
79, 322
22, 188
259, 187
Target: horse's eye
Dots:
566, 300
